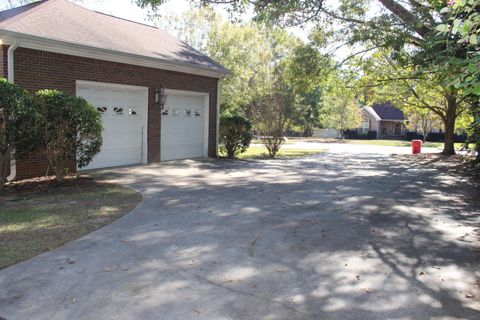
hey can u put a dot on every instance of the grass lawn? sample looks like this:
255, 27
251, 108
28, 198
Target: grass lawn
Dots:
41, 216
260, 152
380, 142
400, 143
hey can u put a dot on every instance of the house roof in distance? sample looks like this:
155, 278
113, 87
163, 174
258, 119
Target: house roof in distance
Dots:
69, 23
387, 111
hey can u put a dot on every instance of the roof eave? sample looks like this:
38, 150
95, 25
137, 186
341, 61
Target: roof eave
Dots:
76, 49
372, 113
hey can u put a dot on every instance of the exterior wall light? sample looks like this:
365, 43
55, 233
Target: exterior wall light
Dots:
160, 97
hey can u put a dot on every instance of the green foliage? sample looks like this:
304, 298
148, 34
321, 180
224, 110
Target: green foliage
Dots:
305, 72
272, 115
341, 110
257, 56
71, 130
458, 42
421, 87
18, 124
246, 52
460, 56
474, 130
193, 27
235, 135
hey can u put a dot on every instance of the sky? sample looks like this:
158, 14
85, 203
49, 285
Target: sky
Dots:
128, 10
120, 8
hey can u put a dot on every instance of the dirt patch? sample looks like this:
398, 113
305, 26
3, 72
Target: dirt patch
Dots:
459, 165
38, 215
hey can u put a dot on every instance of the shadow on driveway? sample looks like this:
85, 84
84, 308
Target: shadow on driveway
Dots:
334, 236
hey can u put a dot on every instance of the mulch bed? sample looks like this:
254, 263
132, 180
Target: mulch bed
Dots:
46, 184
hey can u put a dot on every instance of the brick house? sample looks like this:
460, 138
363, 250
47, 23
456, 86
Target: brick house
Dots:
120, 67
384, 118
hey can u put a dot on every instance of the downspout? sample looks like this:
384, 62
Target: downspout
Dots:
10, 78
218, 118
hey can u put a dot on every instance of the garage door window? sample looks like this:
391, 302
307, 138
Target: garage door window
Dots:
132, 112
176, 112
197, 114
102, 110
165, 112
118, 111
188, 113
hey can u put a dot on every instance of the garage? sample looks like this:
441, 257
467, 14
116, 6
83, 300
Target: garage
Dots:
123, 110
159, 98
183, 128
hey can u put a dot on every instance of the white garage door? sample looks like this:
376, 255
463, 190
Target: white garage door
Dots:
184, 122
123, 116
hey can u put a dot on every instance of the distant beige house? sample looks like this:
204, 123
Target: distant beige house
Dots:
384, 118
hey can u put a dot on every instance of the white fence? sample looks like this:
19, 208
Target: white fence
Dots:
325, 133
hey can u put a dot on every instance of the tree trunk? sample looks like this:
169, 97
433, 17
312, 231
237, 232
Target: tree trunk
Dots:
450, 117
2, 175
230, 153
4, 163
59, 171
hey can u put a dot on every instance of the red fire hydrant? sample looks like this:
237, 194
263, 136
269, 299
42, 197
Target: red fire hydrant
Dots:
416, 146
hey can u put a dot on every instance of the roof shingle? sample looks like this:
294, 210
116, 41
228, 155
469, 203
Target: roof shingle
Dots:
387, 111
64, 21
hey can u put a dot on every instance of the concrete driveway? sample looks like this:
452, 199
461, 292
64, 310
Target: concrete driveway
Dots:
334, 236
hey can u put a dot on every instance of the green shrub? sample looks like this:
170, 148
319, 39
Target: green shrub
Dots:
71, 130
235, 135
18, 124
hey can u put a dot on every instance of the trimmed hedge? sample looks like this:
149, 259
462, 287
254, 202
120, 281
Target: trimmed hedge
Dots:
355, 135
235, 135
412, 135
434, 137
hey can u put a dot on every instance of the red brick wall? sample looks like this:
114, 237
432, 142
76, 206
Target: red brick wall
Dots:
35, 70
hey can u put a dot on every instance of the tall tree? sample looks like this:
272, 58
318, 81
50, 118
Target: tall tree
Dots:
245, 50
340, 109
305, 71
460, 52
418, 93
193, 26
404, 26
272, 114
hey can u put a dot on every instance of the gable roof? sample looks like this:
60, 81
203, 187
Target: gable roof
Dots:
387, 111
68, 23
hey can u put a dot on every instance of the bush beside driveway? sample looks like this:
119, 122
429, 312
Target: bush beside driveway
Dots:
332, 236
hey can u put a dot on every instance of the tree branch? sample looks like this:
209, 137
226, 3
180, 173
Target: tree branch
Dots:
407, 17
